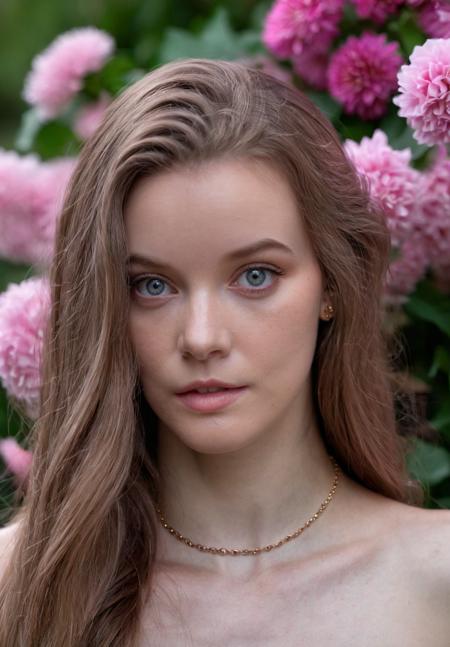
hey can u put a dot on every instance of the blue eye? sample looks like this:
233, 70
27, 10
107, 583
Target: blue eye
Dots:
256, 276
150, 283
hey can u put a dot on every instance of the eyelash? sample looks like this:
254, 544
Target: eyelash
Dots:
133, 281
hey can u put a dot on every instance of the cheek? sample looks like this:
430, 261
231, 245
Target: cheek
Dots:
287, 338
148, 345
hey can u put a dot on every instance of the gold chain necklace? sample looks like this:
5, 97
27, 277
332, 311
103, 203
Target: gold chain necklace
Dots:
255, 551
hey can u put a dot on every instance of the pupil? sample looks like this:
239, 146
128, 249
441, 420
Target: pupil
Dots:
152, 283
256, 273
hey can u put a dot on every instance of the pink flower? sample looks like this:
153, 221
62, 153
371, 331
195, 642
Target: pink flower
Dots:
393, 184
424, 86
406, 271
377, 10
434, 206
30, 199
90, 116
57, 72
17, 460
292, 26
362, 74
24, 311
434, 18
311, 65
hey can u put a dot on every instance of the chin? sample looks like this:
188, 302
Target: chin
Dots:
209, 437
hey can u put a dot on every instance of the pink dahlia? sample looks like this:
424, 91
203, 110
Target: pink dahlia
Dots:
434, 18
311, 65
17, 460
377, 10
291, 26
406, 271
393, 184
90, 116
57, 72
424, 86
362, 74
24, 310
31, 194
434, 206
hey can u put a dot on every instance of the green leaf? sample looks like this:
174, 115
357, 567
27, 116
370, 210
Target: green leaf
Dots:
428, 312
113, 76
29, 127
441, 361
258, 15
216, 40
12, 273
56, 139
443, 502
326, 103
429, 304
429, 463
405, 139
406, 31
392, 124
441, 420
352, 127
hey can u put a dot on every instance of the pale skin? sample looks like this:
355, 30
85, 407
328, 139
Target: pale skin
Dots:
370, 572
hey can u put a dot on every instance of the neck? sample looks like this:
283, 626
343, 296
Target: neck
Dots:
244, 499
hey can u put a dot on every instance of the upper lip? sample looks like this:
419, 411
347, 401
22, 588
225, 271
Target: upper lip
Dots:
203, 384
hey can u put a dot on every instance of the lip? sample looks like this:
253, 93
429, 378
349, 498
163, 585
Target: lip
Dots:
204, 384
209, 402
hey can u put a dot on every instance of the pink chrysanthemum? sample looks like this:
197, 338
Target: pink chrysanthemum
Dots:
406, 271
30, 198
434, 18
57, 73
17, 460
90, 116
291, 26
24, 311
424, 86
393, 184
434, 205
312, 66
377, 10
362, 74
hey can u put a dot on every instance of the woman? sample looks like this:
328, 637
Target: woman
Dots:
215, 235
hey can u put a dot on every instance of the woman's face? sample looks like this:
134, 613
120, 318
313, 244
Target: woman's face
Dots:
200, 310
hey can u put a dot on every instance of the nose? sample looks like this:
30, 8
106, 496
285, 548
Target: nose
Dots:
203, 331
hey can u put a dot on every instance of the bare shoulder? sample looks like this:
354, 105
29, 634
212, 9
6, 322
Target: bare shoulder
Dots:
424, 538
421, 548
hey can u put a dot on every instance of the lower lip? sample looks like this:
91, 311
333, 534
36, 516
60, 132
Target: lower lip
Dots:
208, 402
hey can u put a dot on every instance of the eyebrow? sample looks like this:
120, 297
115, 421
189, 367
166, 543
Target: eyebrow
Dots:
258, 246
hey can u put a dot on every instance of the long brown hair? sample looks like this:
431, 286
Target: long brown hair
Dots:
85, 551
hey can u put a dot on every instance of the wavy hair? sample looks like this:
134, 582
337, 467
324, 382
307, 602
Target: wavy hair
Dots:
81, 567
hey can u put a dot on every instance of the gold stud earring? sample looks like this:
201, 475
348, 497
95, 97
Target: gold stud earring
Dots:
328, 314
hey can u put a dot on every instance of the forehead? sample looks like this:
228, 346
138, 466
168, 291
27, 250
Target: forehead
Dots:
212, 207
